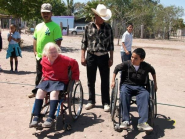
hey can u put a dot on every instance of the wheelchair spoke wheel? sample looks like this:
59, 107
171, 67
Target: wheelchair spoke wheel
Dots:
151, 114
114, 99
154, 97
76, 101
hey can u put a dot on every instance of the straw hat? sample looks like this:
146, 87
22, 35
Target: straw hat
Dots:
103, 12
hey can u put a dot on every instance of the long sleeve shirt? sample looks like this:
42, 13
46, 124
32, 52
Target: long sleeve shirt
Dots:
131, 76
95, 40
58, 71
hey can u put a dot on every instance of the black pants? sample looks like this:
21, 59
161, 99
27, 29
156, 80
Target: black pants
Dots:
39, 72
101, 62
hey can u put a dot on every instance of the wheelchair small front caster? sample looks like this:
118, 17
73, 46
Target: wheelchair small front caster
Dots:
117, 128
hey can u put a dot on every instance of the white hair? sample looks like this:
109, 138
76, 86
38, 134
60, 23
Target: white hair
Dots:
48, 46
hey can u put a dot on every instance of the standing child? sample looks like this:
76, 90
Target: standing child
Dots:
1, 45
127, 43
13, 48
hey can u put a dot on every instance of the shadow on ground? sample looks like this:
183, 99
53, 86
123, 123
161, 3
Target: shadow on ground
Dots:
71, 49
18, 73
161, 123
68, 49
28, 48
85, 120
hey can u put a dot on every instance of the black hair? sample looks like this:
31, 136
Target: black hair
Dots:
140, 52
129, 24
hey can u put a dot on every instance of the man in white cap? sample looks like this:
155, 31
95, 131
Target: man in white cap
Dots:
47, 31
98, 42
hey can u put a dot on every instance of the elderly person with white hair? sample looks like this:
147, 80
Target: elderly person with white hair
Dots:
55, 79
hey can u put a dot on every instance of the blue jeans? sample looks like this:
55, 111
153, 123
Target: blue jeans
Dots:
125, 57
142, 99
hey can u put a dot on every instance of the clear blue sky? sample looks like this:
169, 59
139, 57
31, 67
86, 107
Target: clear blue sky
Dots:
180, 3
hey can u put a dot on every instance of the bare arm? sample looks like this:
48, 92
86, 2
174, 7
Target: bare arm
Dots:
155, 81
83, 60
59, 42
35, 47
125, 49
113, 80
9, 37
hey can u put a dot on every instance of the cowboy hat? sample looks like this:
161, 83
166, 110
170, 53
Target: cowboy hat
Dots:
102, 12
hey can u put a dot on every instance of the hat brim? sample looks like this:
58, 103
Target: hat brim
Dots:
48, 11
105, 18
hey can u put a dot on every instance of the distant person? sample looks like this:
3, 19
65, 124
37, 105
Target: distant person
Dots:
1, 46
55, 79
47, 31
98, 42
13, 48
134, 74
127, 43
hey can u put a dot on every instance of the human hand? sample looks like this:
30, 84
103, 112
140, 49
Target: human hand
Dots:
83, 61
35, 53
112, 84
155, 85
127, 52
110, 62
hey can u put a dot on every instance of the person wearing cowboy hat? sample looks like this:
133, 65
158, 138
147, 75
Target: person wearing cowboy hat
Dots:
98, 42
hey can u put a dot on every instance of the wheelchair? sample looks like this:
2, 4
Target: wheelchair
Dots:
115, 106
70, 99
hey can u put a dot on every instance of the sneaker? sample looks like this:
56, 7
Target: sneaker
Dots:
144, 127
89, 106
125, 125
48, 122
34, 122
106, 108
16, 71
31, 95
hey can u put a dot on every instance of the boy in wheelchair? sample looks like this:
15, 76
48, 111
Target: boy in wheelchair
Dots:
55, 79
133, 76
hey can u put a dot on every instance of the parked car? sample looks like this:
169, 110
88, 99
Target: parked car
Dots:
77, 30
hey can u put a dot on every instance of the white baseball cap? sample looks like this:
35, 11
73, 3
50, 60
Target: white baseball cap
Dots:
46, 7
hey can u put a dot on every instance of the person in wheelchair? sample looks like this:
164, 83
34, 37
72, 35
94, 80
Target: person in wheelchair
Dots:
133, 76
54, 79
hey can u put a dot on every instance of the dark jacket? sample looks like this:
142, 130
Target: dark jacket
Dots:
131, 76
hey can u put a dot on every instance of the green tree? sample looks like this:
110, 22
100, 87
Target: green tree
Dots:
87, 12
27, 9
70, 7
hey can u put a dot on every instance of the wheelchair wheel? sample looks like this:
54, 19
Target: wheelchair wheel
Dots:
154, 97
76, 101
114, 99
151, 114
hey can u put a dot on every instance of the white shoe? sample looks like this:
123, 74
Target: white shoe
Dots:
89, 106
144, 127
106, 108
124, 125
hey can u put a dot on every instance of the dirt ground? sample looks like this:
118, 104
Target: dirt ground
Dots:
15, 108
